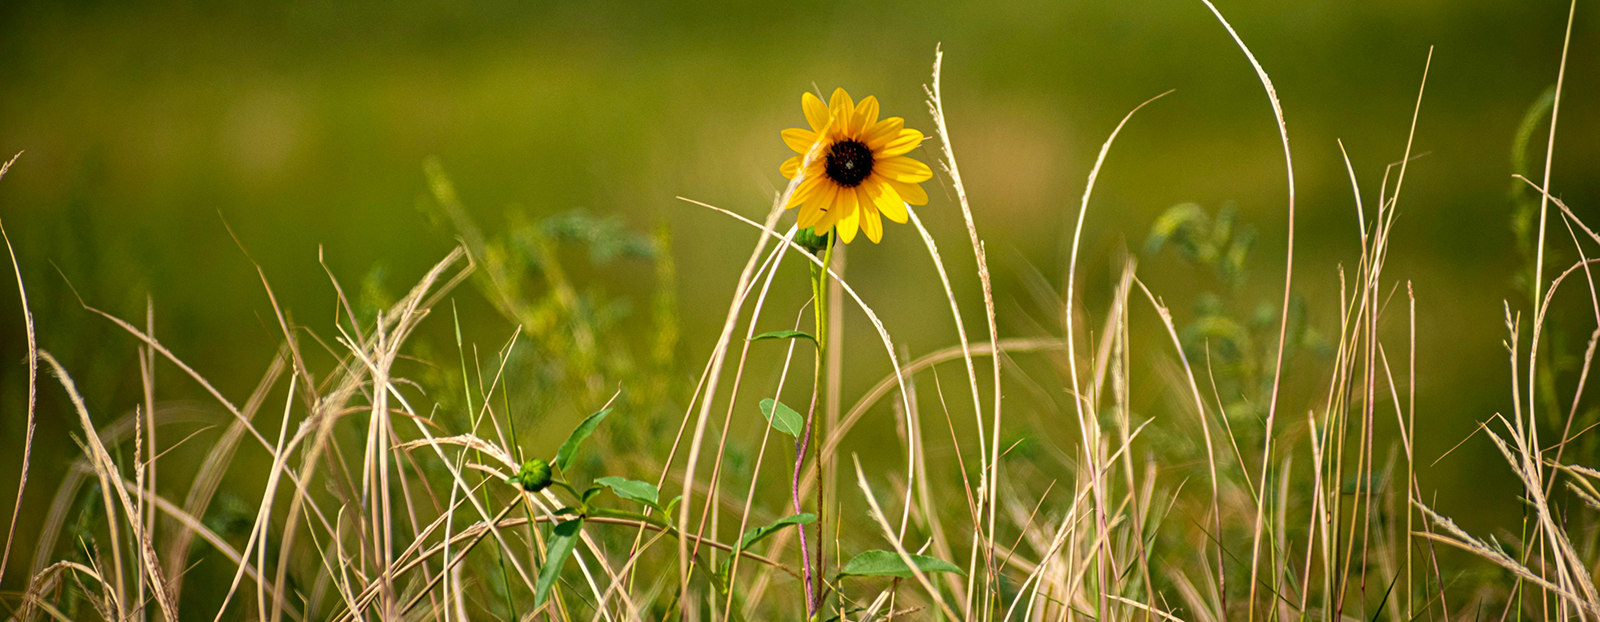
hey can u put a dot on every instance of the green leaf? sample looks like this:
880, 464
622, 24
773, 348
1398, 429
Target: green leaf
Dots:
785, 334
569, 449
877, 563
632, 490
785, 420
760, 533
563, 539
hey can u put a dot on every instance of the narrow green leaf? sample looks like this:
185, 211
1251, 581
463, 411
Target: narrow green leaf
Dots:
569, 449
760, 533
563, 539
877, 563
785, 419
785, 334
632, 490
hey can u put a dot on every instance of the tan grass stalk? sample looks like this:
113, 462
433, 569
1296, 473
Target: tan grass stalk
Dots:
1288, 280
712, 378
1086, 424
1550, 153
33, 390
899, 547
992, 471
106, 470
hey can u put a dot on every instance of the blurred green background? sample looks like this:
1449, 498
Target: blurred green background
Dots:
304, 126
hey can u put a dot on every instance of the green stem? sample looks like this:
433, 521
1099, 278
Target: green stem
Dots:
819, 292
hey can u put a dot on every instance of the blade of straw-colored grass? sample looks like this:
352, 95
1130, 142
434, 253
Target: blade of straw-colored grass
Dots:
458, 480
1569, 217
718, 355
258, 530
1523, 432
755, 472
1566, 557
1550, 154
694, 398
966, 349
106, 469
147, 466
1084, 420
43, 581
1288, 280
936, 107
1134, 603
33, 390
209, 476
1411, 432
977, 404
1460, 539
188, 522
1379, 254
1063, 534
1205, 425
706, 514
894, 540
308, 386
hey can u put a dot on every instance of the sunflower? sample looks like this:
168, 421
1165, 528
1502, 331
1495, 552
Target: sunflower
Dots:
857, 172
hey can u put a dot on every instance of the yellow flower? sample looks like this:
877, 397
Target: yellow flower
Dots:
858, 170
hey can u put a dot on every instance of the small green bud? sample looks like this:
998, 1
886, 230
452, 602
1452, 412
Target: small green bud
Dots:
807, 238
534, 476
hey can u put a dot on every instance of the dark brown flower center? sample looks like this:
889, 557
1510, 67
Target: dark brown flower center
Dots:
849, 163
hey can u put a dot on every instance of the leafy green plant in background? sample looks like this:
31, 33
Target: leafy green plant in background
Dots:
1232, 336
1562, 355
577, 350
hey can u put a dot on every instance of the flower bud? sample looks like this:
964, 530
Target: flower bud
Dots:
807, 238
534, 476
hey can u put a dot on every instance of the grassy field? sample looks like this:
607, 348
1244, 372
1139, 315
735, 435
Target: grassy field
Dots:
554, 419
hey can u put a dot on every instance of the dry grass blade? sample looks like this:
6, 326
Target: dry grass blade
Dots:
899, 548
988, 483
33, 390
106, 469
719, 353
1288, 280
1084, 419
1550, 152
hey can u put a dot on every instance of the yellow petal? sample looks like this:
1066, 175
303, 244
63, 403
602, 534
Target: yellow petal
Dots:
791, 167
881, 133
846, 201
841, 108
826, 223
817, 205
816, 111
806, 189
886, 199
848, 225
871, 224
910, 193
799, 140
866, 114
904, 143
903, 169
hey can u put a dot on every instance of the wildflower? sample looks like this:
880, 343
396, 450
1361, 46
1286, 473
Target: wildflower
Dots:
857, 171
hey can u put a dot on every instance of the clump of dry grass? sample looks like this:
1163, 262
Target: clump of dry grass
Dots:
377, 505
